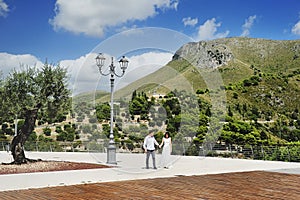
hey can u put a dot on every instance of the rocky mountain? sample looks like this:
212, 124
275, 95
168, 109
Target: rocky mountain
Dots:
252, 51
205, 54
259, 73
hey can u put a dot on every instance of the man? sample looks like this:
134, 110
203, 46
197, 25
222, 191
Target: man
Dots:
149, 148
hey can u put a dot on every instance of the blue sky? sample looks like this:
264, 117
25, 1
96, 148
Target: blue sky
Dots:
68, 31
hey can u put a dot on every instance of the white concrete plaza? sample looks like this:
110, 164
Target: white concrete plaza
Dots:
130, 167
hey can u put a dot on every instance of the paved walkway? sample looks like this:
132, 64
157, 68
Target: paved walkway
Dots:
131, 167
258, 185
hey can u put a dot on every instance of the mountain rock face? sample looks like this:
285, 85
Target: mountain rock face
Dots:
205, 53
215, 53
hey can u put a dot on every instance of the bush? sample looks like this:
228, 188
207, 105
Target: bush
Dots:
47, 131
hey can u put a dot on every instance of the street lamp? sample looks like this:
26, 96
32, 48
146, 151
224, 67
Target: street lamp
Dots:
100, 60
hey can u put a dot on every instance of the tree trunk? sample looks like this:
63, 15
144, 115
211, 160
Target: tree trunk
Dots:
17, 144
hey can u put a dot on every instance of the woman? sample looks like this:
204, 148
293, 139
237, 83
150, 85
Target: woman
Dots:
166, 152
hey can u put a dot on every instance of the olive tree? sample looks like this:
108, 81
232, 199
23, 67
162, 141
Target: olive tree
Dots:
30, 93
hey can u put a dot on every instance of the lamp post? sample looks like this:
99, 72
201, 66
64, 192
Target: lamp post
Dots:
100, 60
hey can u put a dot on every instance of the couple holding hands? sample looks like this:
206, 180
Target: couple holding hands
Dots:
149, 148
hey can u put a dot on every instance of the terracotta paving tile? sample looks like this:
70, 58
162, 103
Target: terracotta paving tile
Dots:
258, 185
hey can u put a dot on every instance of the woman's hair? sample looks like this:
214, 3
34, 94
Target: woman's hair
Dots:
167, 134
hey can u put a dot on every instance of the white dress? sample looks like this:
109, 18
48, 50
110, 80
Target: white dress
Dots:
166, 153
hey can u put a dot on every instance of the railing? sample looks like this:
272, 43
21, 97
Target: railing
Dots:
286, 153
4, 145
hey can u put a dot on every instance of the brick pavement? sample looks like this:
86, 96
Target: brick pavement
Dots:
259, 185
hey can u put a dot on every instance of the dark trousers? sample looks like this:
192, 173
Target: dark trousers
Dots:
152, 153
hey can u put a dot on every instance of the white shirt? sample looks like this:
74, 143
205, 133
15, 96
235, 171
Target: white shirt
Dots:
149, 143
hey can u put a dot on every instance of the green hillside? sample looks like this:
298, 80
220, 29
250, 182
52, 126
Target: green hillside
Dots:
260, 79
275, 65
260, 73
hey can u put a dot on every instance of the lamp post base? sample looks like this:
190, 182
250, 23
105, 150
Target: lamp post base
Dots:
111, 155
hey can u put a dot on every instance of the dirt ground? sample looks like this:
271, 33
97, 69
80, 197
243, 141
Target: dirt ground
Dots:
258, 185
46, 166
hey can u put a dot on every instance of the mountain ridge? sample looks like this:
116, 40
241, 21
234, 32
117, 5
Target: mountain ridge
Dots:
274, 63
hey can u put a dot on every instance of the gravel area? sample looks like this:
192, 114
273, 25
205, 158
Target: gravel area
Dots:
46, 166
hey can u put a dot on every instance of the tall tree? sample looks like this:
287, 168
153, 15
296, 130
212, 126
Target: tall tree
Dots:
32, 92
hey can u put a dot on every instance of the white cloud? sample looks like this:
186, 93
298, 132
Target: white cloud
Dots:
144, 64
84, 74
208, 30
94, 17
10, 62
296, 28
247, 25
189, 21
3, 8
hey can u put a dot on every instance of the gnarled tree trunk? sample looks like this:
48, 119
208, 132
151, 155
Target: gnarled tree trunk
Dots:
17, 144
